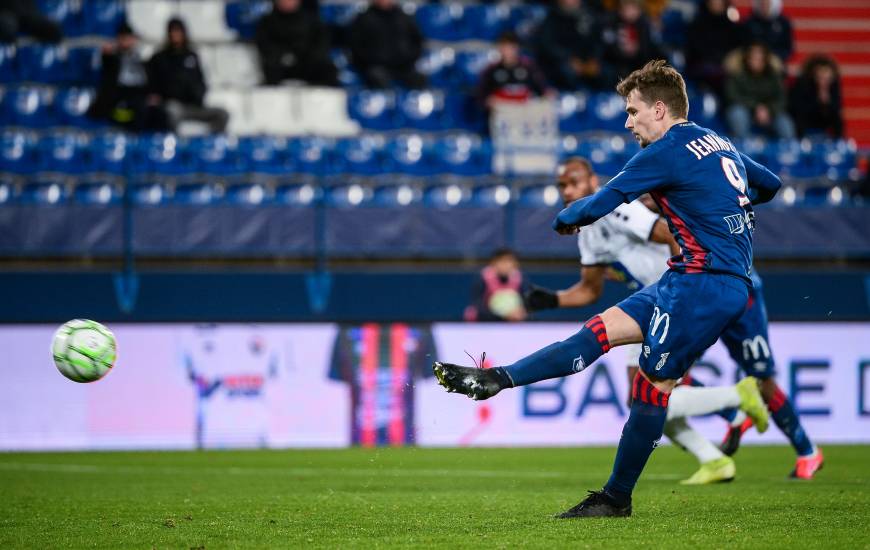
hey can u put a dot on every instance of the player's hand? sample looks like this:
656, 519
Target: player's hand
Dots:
538, 298
565, 222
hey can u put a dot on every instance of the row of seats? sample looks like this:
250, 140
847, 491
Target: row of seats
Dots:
219, 21
464, 154
344, 193
253, 110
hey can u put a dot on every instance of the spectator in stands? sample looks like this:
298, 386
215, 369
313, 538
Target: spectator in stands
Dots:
23, 17
294, 45
628, 40
123, 95
768, 26
497, 295
711, 36
756, 95
385, 44
175, 75
568, 47
815, 101
514, 77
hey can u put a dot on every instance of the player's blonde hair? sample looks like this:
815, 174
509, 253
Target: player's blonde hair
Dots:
658, 81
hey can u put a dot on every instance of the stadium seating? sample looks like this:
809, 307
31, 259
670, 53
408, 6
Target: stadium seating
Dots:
64, 152
71, 107
98, 192
445, 21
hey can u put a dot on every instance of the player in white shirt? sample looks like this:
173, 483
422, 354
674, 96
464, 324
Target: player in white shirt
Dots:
632, 244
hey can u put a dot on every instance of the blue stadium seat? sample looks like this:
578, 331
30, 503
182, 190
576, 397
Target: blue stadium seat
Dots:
85, 64
469, 65
242, 15
349, 195
442, 21
251, 194
789, 159
71, 107
489, 196
674, 28
539, 196
110, 151
397, 195
265, 154
44, 63
346, 73
466, 113
341, 14
607, 112
409, 154
18, 152
30, 106
837, 158
525, 18
488, 21
98, 192
215, 154
437, 64
298, 194
196, 193
361, 155
48, 192
447, 195
8, 63
572, 112
149, 193
374, 109
9, 190
102, 17
424, 110
463, 154
162, 154
65, 152
67, 13
311, 155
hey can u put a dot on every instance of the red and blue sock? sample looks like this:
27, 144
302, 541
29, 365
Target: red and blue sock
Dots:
562, 358
785, 418
640, 435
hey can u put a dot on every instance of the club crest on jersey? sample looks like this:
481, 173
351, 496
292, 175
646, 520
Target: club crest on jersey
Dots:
646, 351
662, 360
579, 364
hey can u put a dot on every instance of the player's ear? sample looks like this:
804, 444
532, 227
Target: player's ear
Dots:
660, 110
594, 180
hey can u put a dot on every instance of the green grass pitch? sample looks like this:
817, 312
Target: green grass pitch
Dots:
411, 497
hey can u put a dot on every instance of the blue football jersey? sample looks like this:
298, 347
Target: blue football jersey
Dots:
703, 187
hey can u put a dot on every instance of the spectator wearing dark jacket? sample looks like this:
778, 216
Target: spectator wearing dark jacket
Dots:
23, 17
385, 44
756, 95
123, 95
514, 77
628, 40
711, 36
815, 101
294, 45
768, 26
568, 47
175, 75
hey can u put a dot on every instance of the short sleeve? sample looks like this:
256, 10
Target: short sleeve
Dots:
647, 170
589, 253
635, 220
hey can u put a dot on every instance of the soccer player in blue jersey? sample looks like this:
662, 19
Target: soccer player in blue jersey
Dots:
704, 188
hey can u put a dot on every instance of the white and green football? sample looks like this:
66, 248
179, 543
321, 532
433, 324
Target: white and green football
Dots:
83, 350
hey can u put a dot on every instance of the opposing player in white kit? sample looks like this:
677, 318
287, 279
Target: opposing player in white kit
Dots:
632, 244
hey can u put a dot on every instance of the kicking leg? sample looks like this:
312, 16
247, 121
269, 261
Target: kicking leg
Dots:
694, 401
572, 355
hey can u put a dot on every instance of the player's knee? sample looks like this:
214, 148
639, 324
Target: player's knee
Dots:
621, 328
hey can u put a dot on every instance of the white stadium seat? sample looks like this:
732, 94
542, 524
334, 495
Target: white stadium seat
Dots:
149, 17
206, 21
237, 102
232, 65
323, 111
272, 110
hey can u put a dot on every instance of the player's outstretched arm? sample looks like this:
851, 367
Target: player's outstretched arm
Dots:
763, 184
587, 210
586, 291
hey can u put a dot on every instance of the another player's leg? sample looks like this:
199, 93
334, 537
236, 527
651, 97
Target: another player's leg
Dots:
747, 343
715, 466
696, 401
614, 327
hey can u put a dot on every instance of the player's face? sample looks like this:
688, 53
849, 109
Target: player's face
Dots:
575, 182
643, 120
